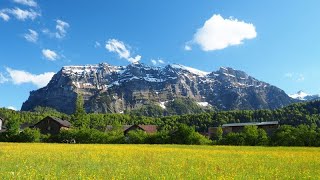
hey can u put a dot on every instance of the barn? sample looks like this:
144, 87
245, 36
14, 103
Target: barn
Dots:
269, 127
51, 125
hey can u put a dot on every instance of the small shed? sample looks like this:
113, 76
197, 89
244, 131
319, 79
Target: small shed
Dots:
51, 125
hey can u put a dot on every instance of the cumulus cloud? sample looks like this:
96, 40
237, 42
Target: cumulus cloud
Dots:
32, 36
21, 77
4, 16
30, 3
219, 33
60, 32
157, 61
3, 79
19, 14
50, 55
187, 47
61, 28
121, 49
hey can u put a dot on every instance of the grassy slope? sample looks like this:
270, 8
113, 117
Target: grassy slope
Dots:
59, 161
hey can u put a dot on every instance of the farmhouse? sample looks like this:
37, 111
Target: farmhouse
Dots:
51, 125
149, 129
269, 127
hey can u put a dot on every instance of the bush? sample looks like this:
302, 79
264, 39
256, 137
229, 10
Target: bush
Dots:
187, 135
30, 135
136, 137
233, 139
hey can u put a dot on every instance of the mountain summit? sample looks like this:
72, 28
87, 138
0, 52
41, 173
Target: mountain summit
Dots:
300, 95
114, 89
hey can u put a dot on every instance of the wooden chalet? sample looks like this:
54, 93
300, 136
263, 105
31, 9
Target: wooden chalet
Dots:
149, 129
270, 127
51, 125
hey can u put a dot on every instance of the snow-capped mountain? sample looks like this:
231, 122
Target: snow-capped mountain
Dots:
108, 88
300, 95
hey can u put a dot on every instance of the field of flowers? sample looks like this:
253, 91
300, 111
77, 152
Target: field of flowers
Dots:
64, 161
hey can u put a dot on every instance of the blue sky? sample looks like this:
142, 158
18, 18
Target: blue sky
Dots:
277, 42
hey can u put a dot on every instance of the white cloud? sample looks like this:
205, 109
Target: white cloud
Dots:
154, 62
288, 75
298, 77
157, 61
61, 28
12, 108
121, 49
3, 79
97, 44
30, 3
219, 33
32, 36
20, 77
161, 61
19, 14
4, 16
50, 55
187, 48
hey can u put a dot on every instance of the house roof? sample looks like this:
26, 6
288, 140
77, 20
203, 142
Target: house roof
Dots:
63, 123
251, 124
146, 128
149, 128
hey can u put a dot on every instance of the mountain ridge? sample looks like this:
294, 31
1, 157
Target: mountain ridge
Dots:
115, 89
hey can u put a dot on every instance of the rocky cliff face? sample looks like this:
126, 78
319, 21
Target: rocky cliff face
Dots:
114, 89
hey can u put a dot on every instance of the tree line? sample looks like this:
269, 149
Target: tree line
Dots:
295, 116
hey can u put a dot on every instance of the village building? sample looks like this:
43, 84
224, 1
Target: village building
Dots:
149, 129
270, 127
51, 125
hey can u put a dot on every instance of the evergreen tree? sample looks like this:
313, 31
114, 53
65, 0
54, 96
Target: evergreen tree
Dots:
80, 118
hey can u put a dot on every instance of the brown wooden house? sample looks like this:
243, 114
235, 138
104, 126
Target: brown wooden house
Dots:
51, 125
149, 129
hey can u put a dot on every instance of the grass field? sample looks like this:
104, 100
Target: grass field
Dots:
63, 161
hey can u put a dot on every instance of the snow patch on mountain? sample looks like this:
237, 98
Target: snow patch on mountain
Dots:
190, 69
299, 95
204, 104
